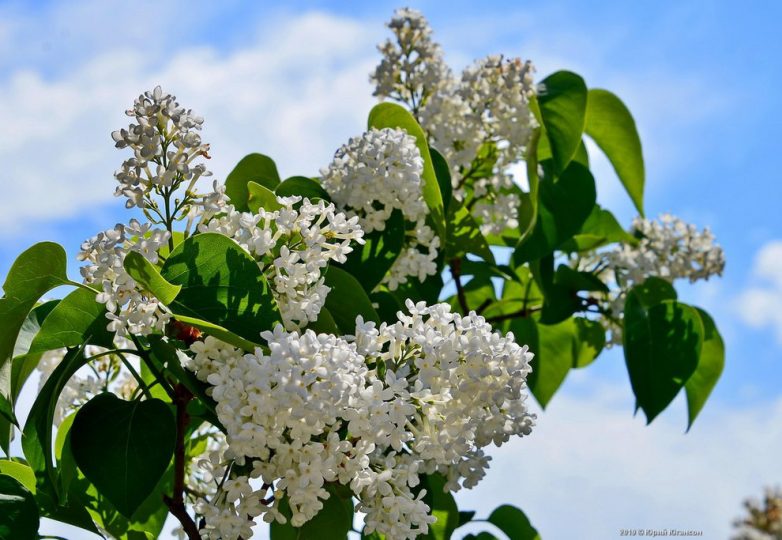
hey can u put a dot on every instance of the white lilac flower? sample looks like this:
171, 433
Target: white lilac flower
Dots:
412, 66
293, 247
668, 248
129, 309
450, 386
166, 145
375, 174
498, 91
489, 105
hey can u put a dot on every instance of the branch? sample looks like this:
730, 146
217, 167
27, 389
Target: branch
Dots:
176, 503
456, 272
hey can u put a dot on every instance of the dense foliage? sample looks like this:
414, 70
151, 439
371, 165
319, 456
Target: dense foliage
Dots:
299, 351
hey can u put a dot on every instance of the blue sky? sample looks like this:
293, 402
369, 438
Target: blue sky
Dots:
702, 79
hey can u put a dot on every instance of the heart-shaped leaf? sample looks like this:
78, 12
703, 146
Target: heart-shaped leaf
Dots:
123, 447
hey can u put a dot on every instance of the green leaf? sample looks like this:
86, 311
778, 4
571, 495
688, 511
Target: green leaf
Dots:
465, 516
157, 285
443, 508
486, 269
23, 364
222, 285
443, 173
18, 511
123, 447
653, 290
302, 186
611, 126
662, 345
600, 228
590, 343
221, 333
333, 522
391, 115
347, 299
77, 319
37, 432
565, 204
19, 471
252, 168
427, 290
147, 520
325, 323
563, 103
386, 305
7, 410
573, 343
477, 292
32, 325
165, 357
553, 356
36, 271
464, 234
261, 197
514, 523
148, 276
528, 210
574, 280
710, 365
483, 535
370, 263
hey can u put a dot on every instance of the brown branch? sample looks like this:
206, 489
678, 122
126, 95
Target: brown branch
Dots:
176, 503
456, 272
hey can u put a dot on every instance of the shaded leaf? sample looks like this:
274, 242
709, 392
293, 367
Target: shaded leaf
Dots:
347, 299
123, 447
464, 235
370, 263
563, 103
443, 173
662, 345
222, 285
18, 511
565, 204
37, 432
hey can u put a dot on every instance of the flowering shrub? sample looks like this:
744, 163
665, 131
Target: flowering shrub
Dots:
324, 353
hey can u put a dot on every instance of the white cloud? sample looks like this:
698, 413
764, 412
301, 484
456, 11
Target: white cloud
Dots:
759, 305
589, 468
296, 94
